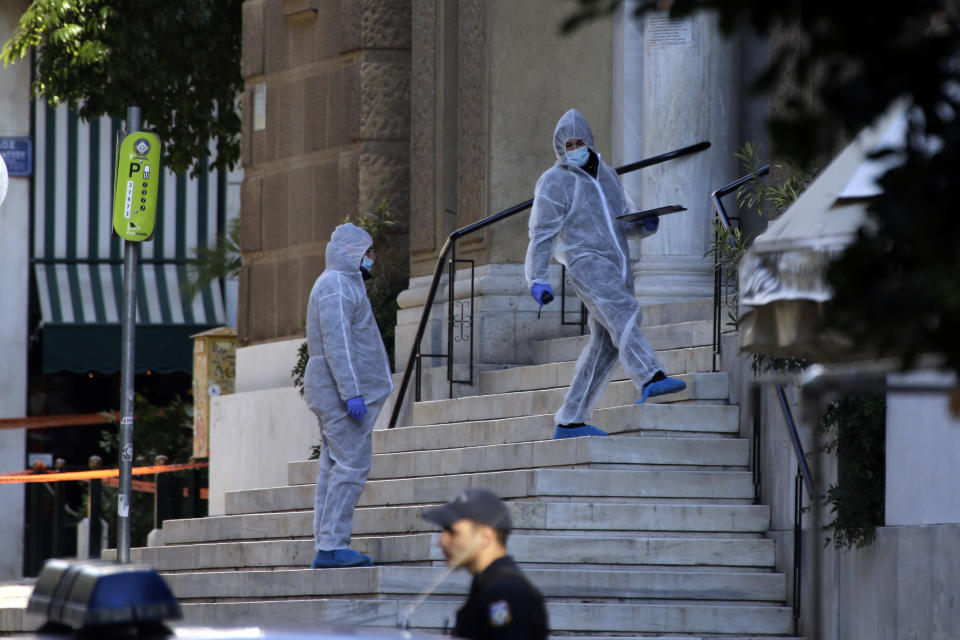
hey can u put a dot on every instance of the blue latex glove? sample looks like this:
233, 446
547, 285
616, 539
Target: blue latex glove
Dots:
652, 223
356, 408
538, 292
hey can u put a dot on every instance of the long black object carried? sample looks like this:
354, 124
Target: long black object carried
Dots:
634, 216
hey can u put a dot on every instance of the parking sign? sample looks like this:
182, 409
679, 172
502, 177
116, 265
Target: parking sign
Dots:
137, 184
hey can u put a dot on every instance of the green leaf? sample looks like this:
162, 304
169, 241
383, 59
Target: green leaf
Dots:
182, 66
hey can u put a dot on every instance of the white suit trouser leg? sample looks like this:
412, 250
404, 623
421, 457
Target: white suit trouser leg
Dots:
615, 334
345, 456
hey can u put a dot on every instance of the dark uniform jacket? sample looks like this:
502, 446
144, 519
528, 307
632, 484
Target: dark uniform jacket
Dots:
503, 605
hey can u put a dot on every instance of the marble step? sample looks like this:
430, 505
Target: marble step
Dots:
672, 636
538, 516
596, 484
14, 620
559, 375
385, 581
677, 356
579, 549
703, 387
663, 337
666, 312
626, 420
592, 453
13, 609
564, 616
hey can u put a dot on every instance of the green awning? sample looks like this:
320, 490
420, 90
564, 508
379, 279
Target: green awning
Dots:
96, 347
78, 261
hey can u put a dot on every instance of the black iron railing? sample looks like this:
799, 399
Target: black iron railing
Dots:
721, 282
803, 477
721, 294
581, 321
449, 249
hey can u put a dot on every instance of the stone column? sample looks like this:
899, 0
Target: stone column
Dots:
677, 84
490, 80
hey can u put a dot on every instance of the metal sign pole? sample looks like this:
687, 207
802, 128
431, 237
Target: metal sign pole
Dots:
128, 330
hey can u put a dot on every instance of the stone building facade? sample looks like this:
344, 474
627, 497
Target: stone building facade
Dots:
447, 108
14, 264
326, 131
444, 107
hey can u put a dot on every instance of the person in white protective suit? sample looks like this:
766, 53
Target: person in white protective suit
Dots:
345, 384
574, 219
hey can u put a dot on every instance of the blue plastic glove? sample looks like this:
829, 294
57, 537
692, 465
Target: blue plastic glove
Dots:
356, 408
539, 291
651, 224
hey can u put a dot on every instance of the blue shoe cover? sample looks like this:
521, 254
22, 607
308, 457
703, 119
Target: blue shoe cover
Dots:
576, 432
661, 387
340, 558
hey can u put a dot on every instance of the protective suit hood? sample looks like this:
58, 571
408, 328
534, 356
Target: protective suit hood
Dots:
572, 124
346, 247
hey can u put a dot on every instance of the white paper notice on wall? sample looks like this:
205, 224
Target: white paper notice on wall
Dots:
260, 106
3, 179
660, 32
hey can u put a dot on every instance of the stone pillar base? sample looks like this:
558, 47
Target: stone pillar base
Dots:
659, 279
504, 319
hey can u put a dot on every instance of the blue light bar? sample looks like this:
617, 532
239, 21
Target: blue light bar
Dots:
90, 593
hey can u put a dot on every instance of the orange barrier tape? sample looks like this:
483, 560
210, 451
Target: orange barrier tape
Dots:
14, 478
145, 486
68, 420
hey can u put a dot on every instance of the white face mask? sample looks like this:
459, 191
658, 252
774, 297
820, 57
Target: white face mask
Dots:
578, 156
366, 262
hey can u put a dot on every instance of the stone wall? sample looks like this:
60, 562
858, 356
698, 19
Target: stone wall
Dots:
14, 264
325, 137
901, 585
491, 79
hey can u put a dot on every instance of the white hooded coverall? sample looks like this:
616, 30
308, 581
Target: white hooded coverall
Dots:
574, 220
347, 359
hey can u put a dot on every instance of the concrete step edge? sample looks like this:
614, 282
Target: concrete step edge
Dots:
514, 484
541, 515
565, 616
657, 452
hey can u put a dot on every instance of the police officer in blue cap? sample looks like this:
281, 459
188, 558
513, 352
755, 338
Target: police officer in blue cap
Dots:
502, 603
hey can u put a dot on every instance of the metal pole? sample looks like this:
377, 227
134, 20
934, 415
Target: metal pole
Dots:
95, 531
94, 514
797, 548
128, 330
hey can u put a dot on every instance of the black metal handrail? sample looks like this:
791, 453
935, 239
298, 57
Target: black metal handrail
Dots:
788, 416
730, 188
448, 246
795, 439
582, 322
717, 198
803, 477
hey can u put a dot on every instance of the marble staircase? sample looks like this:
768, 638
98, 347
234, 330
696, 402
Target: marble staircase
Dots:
652, 532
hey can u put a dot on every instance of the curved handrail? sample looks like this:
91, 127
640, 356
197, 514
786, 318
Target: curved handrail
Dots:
730, 188
486, 222
781, 395
795, 439
716, 198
